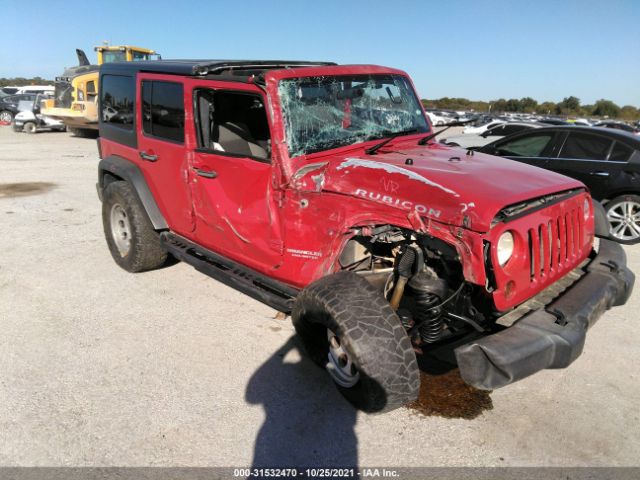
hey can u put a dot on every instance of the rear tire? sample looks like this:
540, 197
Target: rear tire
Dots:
623, 213
30, 128
134, 244
347, 309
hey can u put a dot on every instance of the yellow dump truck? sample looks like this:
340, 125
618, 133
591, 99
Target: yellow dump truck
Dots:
76, 91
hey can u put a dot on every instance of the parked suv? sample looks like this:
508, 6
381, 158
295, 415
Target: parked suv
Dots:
318, 190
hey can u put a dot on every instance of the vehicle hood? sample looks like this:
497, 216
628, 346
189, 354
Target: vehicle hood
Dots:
439, 182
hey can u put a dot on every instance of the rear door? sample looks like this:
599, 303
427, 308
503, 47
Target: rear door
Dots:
584, 156
161, 147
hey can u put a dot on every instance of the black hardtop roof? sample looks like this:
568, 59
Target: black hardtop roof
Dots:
204, 67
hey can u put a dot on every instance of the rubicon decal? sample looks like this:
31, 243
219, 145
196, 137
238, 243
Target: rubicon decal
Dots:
396, 202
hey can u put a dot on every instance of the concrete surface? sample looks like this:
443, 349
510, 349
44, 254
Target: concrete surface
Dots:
101, 367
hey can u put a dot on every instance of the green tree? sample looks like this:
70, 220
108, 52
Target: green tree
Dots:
546, 108
629, 112
568, 105
528, 105
606, 108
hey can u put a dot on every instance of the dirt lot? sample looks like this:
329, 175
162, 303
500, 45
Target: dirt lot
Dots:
101, 367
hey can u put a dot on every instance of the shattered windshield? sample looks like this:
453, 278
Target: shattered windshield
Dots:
328, 112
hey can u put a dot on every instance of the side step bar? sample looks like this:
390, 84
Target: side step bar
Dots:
258, 286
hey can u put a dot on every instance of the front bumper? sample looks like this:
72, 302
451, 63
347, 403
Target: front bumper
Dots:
554, 336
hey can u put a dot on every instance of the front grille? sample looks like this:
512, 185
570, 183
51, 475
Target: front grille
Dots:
555, 244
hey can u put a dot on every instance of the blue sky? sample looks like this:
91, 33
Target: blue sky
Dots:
480, 50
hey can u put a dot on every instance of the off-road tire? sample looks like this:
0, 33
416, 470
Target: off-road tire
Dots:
371, 333
30, 128
145, 251
634, 199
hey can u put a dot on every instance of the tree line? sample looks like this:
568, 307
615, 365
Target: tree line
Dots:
569, 106
23, 82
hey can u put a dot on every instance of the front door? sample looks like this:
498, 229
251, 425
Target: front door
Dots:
161, 148
235, 204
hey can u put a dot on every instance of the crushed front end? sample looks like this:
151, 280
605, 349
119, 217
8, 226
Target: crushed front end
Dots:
550, 291
526, 302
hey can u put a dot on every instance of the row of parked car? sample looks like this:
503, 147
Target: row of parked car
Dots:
607, 160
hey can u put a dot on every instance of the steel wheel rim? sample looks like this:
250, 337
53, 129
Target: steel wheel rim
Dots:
29, 127
624, 218
5, 117
120, 229
339, 365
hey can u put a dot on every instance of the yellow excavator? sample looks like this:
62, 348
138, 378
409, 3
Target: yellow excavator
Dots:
76, 91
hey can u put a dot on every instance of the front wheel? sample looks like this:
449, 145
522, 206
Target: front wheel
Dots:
623, 213
348, 328
30, 128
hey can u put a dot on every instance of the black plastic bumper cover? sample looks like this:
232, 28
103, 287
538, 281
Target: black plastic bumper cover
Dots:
552, 337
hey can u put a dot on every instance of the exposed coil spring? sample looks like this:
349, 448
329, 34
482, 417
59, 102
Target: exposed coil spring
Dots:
430, 323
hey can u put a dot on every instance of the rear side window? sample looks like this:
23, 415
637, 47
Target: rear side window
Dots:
510, 129
118, 98
529, 146
585, 147
506, 129
620, 153
163, 110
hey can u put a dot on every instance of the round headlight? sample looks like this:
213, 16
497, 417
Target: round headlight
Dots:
587, 208
506, 245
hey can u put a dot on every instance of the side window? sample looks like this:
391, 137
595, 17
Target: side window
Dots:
620, 153
163, 110
528, 146
496, 131
510, 129
234, 123
585, 147
91, 88
118, 98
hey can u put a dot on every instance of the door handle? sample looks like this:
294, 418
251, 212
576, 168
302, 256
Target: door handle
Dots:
148, 157
600, 174
205, 173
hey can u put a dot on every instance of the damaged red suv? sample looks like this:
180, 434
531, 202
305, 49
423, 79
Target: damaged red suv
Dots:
318, 189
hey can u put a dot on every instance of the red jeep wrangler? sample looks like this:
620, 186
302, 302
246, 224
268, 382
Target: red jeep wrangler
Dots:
318, 189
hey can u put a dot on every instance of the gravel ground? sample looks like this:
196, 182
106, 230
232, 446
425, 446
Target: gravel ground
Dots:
101, 367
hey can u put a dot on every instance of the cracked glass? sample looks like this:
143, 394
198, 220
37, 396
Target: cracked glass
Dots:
333, 111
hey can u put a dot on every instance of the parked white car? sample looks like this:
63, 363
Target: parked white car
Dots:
47, 89
470, 140
438, 119
482, 128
